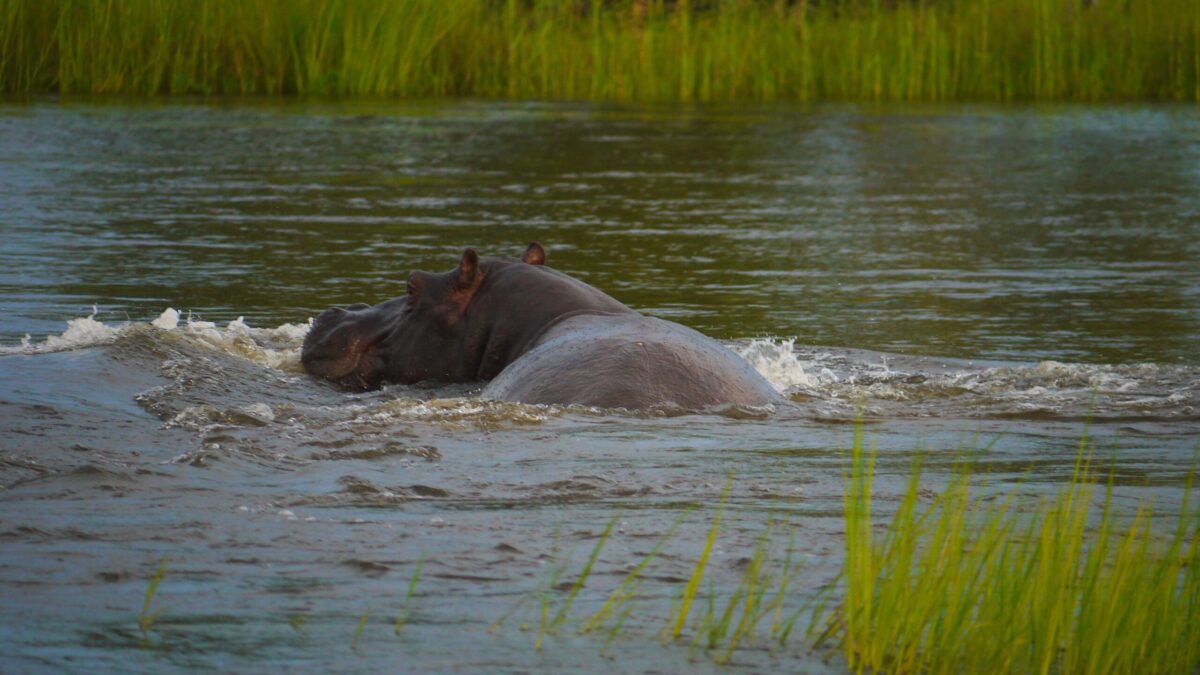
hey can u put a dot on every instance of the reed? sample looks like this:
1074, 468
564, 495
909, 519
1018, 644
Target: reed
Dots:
146, 618
626, 50
961, 584
565, 609
359, 628
678, 618
625, 591
549, 624
969, 585
403, 615
739, 620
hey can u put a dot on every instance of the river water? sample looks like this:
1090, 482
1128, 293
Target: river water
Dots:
957, 277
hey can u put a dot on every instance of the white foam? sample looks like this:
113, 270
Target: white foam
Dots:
1053, 376
81, 332
277, 347
205, 417
775, 359
457, 411
259, 411
168, 320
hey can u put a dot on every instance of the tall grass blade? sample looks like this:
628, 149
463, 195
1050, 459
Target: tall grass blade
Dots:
629, 585
359, 628
965, 585
146, 618
689, 592
633, 50
402, 616
565, 609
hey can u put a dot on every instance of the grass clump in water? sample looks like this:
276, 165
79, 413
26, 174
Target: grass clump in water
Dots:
747, 598
359, 628
403, 616
639, 50
689, 592
549, 620
738, 623
968, 585
146, 618
619, 601
960, 584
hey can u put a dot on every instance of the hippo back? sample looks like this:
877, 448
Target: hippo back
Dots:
630, 361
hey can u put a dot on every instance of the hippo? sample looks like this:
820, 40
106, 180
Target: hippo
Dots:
535, 335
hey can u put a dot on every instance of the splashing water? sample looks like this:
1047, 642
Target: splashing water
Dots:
81, 332
277, 348
169, 320
838, 377
776, 360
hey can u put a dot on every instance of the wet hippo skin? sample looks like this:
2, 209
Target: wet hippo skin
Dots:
536, 335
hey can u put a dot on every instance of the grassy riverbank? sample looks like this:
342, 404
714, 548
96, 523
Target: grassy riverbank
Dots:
643, 50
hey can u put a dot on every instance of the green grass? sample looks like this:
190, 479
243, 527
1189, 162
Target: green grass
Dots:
298, 622
689, 592
359, 628
146, 618
953, 583
403, 615
974, 585
618, 602
637, 50
722, 633
948, 584
565, 610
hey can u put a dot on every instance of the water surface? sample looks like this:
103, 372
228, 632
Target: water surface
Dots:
958, 276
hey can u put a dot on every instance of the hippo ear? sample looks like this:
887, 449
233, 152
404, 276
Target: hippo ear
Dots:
468, 269
534, 254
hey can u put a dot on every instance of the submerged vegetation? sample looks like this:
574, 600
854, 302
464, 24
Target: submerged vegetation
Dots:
643, 50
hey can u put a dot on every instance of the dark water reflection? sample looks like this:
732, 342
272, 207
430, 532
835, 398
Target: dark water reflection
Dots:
959, 276
996, 233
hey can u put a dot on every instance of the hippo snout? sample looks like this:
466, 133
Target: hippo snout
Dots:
343, 345
334, 316
327, 338
328, 316
338, 313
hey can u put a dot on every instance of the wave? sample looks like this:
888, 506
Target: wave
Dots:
841, 380
81, 332
776, 360
277, 348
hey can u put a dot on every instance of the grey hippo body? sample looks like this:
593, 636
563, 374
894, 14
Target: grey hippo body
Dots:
629, 361
535, 335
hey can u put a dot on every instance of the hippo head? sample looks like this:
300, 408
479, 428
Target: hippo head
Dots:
439, 330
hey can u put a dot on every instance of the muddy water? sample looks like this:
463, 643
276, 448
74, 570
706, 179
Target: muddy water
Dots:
964, 277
